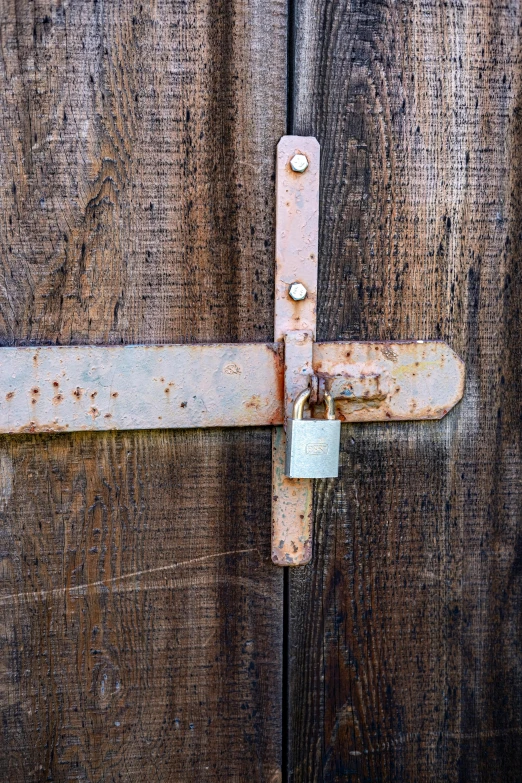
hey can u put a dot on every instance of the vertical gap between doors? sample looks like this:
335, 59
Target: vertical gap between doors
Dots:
285, 733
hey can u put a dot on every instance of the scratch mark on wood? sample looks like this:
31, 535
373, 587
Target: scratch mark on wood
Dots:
105, 583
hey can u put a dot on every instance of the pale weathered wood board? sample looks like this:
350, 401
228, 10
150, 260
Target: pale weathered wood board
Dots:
405, 651
137, 148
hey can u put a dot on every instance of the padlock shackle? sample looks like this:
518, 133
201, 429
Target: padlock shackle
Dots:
303, 398
299, 404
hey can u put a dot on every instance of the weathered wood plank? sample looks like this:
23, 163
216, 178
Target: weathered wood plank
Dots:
405, 656
141, 617
140, 621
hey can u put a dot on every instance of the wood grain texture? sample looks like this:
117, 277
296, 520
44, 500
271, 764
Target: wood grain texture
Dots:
140, 621
141, 617
405, 654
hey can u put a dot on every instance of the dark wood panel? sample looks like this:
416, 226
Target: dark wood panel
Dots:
140, 621
405, 655
141, 617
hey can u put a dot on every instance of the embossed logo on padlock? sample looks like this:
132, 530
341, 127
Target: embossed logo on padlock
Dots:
312, 445
317, 448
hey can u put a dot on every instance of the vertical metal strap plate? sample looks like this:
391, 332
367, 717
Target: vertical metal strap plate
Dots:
297, 229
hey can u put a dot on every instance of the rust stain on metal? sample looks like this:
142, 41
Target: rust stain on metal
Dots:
255, 402
389, 353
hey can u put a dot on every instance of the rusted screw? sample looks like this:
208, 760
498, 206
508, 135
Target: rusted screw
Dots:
299, 163
297, 292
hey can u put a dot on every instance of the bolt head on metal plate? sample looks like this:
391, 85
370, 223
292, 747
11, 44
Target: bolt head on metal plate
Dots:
297, 292
299, 163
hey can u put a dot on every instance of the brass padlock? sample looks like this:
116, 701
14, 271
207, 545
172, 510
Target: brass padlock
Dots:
312, 445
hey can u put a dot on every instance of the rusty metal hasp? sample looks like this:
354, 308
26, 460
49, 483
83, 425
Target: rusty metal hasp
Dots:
370, 381
75, 388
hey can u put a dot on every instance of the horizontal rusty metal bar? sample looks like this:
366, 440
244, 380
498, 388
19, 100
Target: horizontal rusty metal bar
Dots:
66, 389
57, 389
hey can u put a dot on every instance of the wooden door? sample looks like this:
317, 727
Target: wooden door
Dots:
405, 645
141, 616
145, 634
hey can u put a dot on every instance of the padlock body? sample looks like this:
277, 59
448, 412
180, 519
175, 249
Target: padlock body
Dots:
312, 448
